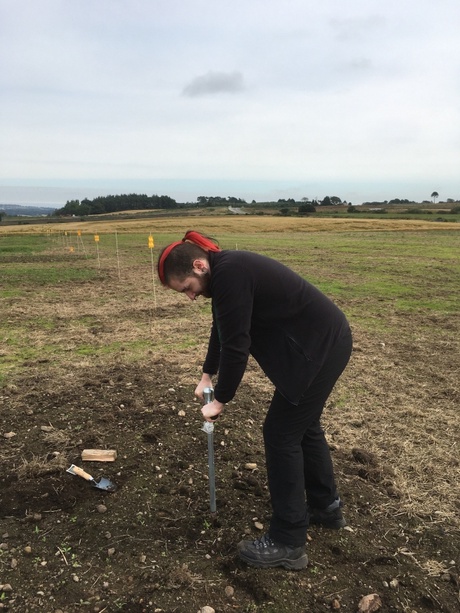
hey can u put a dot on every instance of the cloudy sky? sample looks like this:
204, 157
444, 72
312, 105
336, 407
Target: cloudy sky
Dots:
259, 99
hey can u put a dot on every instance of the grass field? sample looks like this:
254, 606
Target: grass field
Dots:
221, 223
93, 347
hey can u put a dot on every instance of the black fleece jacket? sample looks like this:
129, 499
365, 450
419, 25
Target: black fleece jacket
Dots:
261, 307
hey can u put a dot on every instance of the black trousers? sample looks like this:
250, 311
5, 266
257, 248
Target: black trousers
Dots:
299, 464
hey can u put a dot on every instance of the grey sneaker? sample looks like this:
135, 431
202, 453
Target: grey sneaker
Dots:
332, 517
265, 553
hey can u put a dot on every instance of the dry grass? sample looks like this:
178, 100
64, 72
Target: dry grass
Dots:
397, 399
58, 439
215, 225
97, 360
38, 467
405, 411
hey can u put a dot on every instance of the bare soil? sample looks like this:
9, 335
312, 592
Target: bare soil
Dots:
152, 545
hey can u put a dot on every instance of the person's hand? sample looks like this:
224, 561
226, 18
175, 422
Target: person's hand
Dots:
206, 381
212, 410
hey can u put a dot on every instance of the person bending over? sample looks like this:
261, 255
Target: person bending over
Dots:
303, 342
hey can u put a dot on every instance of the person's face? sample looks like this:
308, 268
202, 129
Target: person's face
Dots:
195, 285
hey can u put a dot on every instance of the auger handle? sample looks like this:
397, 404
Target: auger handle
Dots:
208, 394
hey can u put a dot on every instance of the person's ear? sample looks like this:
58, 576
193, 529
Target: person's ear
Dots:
199, 265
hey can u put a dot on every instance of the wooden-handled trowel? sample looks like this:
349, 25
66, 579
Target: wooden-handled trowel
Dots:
102, 484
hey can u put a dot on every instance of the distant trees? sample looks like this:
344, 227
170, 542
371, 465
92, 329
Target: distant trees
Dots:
72, 207
434, 195
113, 204
399, 201
330, 201
290, 201
308, 207
219, 200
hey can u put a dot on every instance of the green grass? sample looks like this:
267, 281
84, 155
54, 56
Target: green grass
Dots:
44, 323
377, 278
42, 275
10, 293
412, 270
24, 244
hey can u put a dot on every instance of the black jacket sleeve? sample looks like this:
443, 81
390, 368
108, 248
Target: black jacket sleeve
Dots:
211, 363
232, 295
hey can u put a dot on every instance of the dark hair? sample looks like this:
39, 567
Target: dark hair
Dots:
179, 262
176, 260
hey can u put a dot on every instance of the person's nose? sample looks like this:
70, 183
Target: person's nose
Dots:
190, 294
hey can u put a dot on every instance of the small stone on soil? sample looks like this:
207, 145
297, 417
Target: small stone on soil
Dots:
369, 604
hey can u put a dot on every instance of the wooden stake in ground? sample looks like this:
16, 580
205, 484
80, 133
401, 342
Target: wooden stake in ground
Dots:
151, 245
96, 240
80, 241
118, 255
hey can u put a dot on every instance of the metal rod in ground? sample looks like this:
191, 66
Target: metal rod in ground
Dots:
212, 473
208, 427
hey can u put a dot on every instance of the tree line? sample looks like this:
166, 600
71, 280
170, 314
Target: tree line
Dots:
113, 204
219, 200
131, 202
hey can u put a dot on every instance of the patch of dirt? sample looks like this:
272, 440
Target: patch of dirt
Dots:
152, 545
98, 364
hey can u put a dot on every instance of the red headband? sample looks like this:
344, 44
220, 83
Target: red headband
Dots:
192, 237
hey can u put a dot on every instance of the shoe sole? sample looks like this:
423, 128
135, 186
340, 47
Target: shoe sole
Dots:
298, 564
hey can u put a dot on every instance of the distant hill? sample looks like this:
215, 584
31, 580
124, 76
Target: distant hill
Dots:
24, 210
